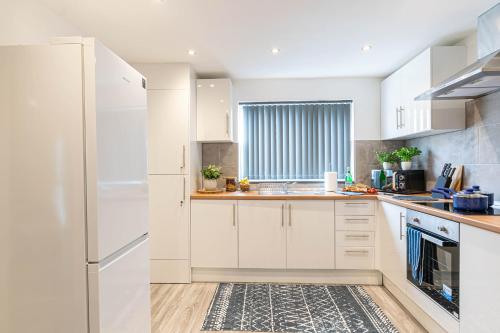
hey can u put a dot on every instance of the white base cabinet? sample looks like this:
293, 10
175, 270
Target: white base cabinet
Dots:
262, 234
310, 231
214, 234
479, 287
355, 234
392, 247
277, 235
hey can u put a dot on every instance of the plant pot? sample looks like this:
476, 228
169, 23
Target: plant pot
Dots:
210, 184
406, 165
387, 166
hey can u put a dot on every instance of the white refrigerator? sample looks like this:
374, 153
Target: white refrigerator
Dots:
74, 253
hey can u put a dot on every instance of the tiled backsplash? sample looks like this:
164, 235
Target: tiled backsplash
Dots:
365, 156
226, 156
477, 147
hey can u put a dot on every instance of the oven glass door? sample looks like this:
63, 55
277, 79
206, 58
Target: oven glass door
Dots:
436, 271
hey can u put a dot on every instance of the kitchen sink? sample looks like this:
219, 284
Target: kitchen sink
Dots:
305, 192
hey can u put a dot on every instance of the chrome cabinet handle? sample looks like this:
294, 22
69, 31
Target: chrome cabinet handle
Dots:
357, 236
401, 216
442, 229
356, 251
227, 123
183, 165
234, 214
290, 215
282, 215
356, 203
357, 220
399, 117
183, 190
403, 124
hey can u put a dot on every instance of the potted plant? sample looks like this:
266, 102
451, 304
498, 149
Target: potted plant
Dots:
210, 175
405, 154
387, 159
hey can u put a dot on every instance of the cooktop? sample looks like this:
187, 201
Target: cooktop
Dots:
449, 208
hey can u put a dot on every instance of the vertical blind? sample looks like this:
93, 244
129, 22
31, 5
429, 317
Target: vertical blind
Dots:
295, 141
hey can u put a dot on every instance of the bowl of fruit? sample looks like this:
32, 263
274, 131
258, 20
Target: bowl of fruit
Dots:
244, 185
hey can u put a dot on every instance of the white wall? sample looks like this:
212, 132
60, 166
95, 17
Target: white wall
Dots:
471, 43
365, 93
30, 22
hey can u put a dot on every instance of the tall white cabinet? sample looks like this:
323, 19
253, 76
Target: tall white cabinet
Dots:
170, 108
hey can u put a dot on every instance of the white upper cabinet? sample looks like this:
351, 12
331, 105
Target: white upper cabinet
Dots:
402, 116
214, 110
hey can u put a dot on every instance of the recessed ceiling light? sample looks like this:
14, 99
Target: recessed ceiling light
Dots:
191, 52
275, 50
200, 86
211, 85
366, 48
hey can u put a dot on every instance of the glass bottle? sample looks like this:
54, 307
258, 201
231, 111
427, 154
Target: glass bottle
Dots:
348, 177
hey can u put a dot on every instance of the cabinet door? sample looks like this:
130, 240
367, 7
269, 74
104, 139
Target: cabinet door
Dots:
169, 217
214, 110
310, 234
479, 288
416, 78
393, 243
389, 107
214, 234
262, 234
168, 114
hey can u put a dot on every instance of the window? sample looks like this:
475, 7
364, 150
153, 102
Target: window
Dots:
295, 140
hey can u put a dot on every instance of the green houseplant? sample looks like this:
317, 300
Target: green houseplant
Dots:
406, 154
387, 159
210, 175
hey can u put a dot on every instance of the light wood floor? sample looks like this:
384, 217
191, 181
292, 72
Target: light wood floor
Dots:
181, 308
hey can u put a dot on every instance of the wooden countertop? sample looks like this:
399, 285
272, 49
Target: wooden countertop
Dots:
254, 195
485, 222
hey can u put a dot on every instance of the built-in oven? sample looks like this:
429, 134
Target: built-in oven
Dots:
433, 258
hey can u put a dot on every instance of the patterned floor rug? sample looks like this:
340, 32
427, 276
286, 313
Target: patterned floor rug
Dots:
294, 308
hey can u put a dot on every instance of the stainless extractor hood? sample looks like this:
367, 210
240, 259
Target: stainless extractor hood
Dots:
482, 77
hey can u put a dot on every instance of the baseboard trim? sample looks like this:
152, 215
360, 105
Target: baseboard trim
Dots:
170, 271
416, 311
340, 276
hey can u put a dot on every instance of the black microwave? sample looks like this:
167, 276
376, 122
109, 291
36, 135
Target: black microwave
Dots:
409, 181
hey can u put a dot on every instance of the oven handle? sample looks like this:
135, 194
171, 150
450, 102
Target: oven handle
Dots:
438, 241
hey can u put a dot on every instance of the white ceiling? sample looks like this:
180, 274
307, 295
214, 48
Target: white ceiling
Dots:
317, 38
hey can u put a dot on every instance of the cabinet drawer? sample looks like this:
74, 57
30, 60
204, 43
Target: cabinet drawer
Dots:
355, 238
355, 207
356, 222
355, 257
